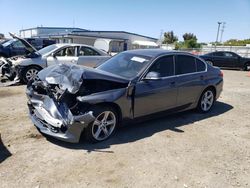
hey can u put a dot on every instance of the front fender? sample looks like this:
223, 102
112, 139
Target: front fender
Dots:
106, 96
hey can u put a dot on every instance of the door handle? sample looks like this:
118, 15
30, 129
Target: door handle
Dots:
202, 77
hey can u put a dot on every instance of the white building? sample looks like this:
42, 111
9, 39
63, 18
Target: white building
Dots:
117, 40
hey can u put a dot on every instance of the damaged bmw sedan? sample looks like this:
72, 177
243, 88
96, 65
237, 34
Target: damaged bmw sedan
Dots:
68, 100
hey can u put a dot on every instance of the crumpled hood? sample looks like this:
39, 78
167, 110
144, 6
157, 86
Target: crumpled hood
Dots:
71, 77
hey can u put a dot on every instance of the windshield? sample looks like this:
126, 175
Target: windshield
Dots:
47, 49
127, 65
7, 43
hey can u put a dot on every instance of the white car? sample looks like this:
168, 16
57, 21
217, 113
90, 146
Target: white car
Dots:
27, 67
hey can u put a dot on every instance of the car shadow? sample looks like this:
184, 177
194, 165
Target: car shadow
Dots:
146, 128
4, 152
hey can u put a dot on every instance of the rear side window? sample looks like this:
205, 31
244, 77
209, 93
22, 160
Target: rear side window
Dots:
85, 51
184, 64
200, 65
221, 54
164, 66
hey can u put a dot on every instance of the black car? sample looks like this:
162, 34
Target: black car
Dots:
67, 100
227, 59
15, 47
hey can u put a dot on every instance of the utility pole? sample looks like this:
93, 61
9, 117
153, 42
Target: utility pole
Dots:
222, 31
161, 37
219, 23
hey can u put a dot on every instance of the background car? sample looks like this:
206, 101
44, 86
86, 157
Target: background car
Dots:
128, 86
28, 66
14, 47
227, 59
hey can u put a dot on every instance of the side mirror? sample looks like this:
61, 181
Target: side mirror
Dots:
53, 54
152, 76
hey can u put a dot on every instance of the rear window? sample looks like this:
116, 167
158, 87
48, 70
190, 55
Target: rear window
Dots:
185, 64
200, 65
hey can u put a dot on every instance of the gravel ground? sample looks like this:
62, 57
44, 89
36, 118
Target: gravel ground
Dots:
182, 150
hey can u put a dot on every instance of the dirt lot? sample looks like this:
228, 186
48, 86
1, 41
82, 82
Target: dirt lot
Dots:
182, 150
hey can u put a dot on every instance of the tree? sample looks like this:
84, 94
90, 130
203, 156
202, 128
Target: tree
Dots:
170, 38
190, 41
235, 42
189, 36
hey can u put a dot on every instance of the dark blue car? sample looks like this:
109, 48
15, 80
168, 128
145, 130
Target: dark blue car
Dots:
15, 47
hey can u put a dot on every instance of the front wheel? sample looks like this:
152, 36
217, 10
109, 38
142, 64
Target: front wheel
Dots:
206, 101
30, 74
104, 125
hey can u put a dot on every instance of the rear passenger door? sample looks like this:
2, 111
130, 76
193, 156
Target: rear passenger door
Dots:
231, 59
89, 57
219, 59
190, 78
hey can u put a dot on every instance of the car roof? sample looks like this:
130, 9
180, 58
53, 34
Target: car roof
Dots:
155, 52
222, 51
71, 44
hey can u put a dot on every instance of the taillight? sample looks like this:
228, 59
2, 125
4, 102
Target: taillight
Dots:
221, 74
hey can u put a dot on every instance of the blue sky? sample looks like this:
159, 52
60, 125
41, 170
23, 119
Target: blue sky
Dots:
146, 17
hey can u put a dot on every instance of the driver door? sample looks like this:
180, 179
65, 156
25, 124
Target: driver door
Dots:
157, 95
63, 55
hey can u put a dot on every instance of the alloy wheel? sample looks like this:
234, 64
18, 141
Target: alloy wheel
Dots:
31, 74
104, 125
207, 100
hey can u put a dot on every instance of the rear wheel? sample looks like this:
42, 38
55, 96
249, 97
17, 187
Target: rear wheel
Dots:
206, 101
247, 67
104, 125
30, 74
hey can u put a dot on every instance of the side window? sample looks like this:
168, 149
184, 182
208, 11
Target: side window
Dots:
18, 44
221, 54
86, 51
200, 65
164, 66
69, 51
184, 64
228, 54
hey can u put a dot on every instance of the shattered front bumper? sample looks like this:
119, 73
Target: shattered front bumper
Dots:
55, 119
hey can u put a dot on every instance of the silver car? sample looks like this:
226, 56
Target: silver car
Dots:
27, 67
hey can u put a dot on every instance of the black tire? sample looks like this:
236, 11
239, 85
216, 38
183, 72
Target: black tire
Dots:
24, 77
99, 112
246, 66
209, 102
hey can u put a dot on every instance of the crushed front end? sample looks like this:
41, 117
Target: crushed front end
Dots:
60, 102
8, 70
55, 112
